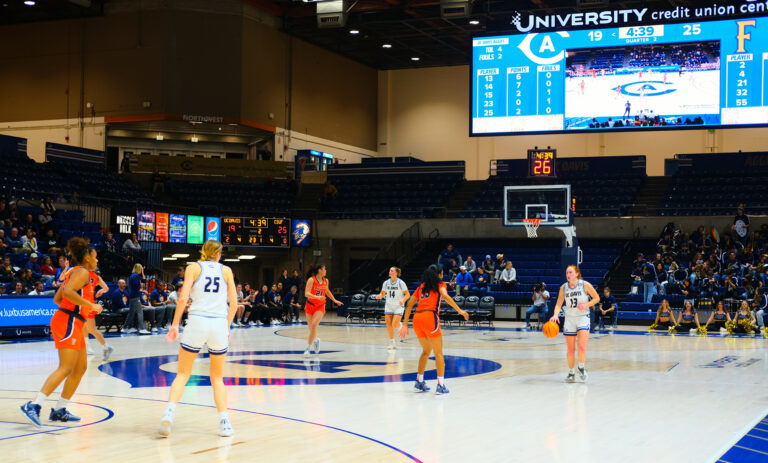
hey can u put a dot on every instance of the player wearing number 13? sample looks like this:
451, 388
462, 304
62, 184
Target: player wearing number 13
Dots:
578, 296
214, 304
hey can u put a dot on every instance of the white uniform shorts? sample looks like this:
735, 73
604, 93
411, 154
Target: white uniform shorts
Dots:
201, 329
575, 324
399, 310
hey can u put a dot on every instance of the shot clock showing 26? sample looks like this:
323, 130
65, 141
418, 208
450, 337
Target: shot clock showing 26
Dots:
707, 73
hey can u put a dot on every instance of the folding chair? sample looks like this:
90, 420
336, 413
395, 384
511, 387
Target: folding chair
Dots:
355, 309
485, 310
471, 305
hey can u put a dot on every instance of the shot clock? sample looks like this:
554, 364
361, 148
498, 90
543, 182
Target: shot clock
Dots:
541, 163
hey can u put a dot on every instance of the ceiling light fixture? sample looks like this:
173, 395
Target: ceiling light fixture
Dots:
30, 2
354, 31
415, 58
194, 139
387, 45
247, 257
231, 260
474, 22
159, 137
179, 256
169, 258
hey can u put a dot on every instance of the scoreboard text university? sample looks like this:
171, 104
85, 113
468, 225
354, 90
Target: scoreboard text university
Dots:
706, 73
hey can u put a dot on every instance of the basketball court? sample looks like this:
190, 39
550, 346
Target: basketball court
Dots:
354, 400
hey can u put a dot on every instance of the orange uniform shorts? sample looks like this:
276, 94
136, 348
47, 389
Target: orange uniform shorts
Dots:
427, 324
67, 331
310, 308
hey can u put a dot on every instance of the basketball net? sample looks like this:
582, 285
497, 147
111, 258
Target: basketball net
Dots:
531, 226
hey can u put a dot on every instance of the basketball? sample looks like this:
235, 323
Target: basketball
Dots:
550, 329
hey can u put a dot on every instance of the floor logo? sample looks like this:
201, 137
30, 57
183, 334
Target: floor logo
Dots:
148, 371
646, 88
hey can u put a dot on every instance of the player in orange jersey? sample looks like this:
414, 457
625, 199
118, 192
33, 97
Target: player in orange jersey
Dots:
426, 324
316, 291
76, 301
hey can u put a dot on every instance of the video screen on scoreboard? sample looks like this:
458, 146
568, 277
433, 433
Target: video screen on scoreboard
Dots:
145, 229
161, 227
177, 228
195, 229
705, 74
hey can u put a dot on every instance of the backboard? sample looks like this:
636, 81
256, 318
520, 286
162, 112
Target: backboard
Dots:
550, 203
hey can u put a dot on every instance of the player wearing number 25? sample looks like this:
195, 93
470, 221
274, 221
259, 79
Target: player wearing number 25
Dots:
211, 286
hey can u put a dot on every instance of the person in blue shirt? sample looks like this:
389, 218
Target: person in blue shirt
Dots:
606, 310
147, 309
481, 282
260, 307
34, 265
119, 297
275, 304
178, 280
448, 254
163, 309
135, 320
650, 281
464, 281
291, 302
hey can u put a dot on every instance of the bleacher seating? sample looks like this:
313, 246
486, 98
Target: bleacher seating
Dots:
252, 197
693, 192
100, 182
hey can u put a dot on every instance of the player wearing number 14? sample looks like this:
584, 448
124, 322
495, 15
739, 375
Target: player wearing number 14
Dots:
211, 287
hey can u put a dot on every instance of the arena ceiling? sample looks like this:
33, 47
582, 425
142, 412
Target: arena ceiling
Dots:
411, 28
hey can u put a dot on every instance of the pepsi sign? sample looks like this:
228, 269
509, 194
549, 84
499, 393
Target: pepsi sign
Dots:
213, 228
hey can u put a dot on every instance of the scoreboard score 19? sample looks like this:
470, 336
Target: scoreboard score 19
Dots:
255, 231
541, 163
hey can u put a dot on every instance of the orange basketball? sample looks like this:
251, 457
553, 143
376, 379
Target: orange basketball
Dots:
550, 329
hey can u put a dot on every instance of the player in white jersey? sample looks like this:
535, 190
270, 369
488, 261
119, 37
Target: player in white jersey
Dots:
211, 287
578, 296
396, 293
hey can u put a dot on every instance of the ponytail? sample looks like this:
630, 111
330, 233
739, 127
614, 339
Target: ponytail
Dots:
431, 278
210, 250
78, 249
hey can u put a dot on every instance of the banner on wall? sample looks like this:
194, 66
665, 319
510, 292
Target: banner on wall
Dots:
301, 232
26, 311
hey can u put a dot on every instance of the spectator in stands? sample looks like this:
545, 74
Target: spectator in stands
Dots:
508, 277
606, 309
4, 214
284, 280
689, 319
650, 281
46, 221
13, 215
498, 266
447, 255
488, 266
18, 289
296, 281
740, 226
149, 312
3, 245
470, 265
75, 199
261, 311
26, 278
688, 292
28, 224
120, 297
158, 186
539, 298
163, 310
38, 289
132, 248
60, 199
6, 270
28, 241
292, 303
50, 243
109, 243
178, 280
718, 318
134, 321
125, 164
34, 266
248, 303
240, 306
464, 281
49, 272
13, 240
760, 306
732, 264
665, 319
61, 271
661, 278
3, 289
481, 282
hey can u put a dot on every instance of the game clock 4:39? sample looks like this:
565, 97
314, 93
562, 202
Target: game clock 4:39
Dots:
541, 163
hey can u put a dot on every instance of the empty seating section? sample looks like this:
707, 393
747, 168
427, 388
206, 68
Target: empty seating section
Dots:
251, 197
406, 196
704, 192
610, 195
97, 181
22, 177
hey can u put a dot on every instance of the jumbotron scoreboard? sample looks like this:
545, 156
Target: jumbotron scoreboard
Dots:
255, 231
705, 74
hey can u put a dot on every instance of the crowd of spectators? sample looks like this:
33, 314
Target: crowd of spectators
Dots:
708, 269
468, 277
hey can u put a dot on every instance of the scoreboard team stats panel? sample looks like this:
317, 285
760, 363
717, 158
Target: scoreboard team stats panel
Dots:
255, 231
708, 73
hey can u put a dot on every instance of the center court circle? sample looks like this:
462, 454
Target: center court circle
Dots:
152, 371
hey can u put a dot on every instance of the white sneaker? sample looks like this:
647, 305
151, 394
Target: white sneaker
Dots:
295, 320
723, 330
306, 352
277, 322
225, 428
107, 352
130, 330
259, 323
252, 323
154, 329
692, 331
165, 425
143, 332
392, 345
165, 327
316, 346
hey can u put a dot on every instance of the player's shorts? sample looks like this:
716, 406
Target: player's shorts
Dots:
67, 330
427, 324
575, 324
392, 310
204, 329
312, 308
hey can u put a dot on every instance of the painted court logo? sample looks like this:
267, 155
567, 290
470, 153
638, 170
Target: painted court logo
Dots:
646, 88
287, 367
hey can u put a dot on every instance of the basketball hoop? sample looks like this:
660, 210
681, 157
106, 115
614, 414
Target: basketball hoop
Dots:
531, 226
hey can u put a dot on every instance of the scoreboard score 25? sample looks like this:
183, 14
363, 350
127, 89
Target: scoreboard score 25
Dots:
541, 163
255, 231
